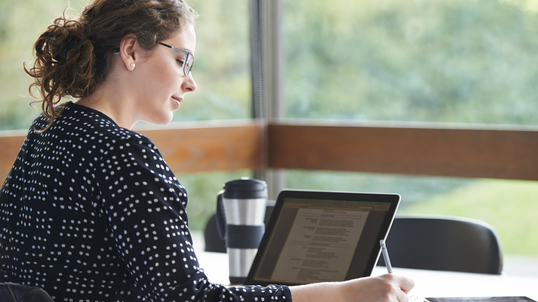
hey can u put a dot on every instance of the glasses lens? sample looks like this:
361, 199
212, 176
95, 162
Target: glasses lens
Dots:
187, 66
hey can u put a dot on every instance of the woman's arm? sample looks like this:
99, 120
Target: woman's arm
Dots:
372, 289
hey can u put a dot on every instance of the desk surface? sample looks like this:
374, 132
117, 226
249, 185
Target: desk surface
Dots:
428, 283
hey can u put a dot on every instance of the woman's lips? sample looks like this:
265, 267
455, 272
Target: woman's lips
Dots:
177, 101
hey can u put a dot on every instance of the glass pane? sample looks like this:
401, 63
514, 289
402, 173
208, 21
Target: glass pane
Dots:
202, 189
21, 23
509, 206
455, 61
221, 67
221, 64
221, 70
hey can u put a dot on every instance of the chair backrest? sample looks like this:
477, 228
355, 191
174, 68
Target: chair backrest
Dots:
444, 243
213, 241
11, 292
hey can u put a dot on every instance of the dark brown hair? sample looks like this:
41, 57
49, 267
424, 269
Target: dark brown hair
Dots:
73, 55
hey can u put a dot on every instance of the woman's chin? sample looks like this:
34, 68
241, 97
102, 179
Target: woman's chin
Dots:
168, 120
162, 120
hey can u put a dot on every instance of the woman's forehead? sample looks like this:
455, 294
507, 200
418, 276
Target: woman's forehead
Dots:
185, 39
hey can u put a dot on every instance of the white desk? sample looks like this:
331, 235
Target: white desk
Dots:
428, 283
454, 284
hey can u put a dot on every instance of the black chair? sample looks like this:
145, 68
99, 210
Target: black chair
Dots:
213, 241
11, 292
445, 244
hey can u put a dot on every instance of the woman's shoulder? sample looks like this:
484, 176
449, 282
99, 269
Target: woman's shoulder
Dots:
83, 128
92, 122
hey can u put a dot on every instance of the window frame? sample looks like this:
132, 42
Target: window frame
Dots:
269, 143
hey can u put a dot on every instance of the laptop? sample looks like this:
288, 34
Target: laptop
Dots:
318, 236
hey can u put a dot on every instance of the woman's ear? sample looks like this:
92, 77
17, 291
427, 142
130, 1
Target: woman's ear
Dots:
129, 51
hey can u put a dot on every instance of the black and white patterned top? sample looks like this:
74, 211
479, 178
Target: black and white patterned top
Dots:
91, 212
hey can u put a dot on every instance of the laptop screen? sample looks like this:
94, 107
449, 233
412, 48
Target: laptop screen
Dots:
316, 236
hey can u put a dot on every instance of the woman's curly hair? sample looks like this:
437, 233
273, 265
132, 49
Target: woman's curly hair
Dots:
73, 55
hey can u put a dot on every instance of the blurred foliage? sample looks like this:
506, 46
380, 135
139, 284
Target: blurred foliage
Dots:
21, 23
413, 189
202, 189
222, 63
221, 69
509, 206
442, 61
456, 61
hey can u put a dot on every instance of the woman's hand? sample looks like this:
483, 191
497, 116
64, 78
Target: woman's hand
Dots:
385, 288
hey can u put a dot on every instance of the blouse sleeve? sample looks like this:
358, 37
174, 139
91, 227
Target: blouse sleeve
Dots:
143, 206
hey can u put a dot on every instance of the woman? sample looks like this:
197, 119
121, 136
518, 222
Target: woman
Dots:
90, 211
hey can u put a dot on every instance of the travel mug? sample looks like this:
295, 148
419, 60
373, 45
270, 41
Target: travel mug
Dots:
240, 221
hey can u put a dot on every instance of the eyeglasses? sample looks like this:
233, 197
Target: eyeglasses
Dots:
189, 58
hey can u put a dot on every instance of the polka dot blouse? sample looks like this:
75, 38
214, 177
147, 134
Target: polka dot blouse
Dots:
91, 212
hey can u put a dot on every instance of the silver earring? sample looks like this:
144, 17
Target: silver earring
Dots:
132, 65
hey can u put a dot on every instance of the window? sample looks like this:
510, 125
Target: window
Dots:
421, 61
455, 62
222, 63
221, 70
462, 63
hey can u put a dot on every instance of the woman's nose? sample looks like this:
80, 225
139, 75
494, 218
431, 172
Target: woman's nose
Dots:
189, 85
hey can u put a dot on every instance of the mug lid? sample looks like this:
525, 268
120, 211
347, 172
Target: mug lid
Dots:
245, 188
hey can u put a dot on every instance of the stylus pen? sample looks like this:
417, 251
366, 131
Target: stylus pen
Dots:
385, 255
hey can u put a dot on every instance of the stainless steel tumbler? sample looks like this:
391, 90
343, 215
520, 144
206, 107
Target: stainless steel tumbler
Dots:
240, 220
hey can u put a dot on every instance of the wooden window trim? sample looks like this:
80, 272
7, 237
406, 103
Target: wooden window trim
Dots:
507, 153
